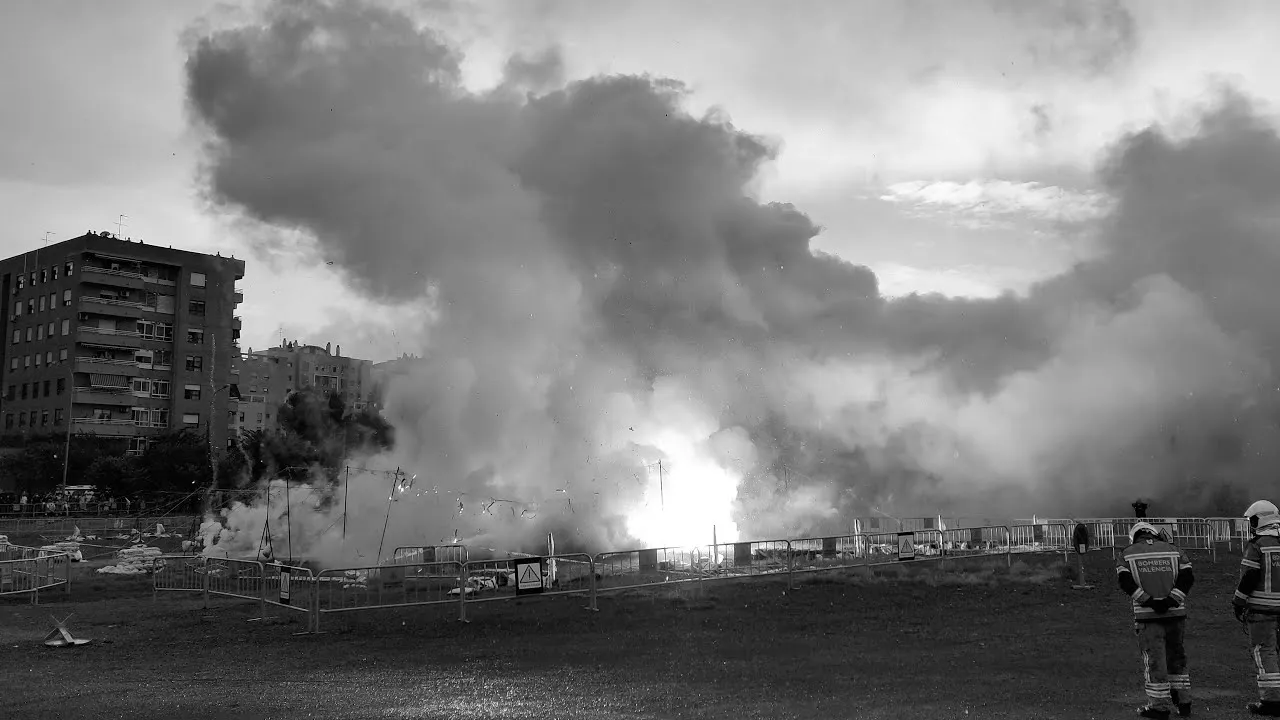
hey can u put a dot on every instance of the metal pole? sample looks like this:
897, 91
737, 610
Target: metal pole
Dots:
288, 518
346, 490
71, 393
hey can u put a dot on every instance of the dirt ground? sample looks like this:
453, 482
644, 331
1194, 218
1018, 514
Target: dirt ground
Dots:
939, 644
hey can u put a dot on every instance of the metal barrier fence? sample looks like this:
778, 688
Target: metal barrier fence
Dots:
93, 525
25, 570
753, 558
626, 569
388, 586
977, 541
1040, 536
412, 555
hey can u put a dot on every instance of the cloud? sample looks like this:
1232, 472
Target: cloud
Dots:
620, 316
989, 201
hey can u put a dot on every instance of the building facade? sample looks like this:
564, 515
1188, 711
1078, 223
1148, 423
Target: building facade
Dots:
118, 338
266, 378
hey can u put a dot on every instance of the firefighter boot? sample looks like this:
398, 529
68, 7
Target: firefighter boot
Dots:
1267, 708
1147, 711
1184, 709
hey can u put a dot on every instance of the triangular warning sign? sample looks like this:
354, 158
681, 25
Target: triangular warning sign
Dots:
61, 637
529, 575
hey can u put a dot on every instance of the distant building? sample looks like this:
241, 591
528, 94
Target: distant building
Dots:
384, 372
118, 338
266, 378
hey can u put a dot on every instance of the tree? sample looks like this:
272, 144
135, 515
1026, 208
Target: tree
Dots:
114, 474
177, 461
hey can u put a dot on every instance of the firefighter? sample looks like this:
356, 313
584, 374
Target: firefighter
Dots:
1257, 603
1157, 576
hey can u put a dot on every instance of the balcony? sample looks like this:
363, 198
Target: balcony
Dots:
107, 306
101, 426
105, 337
238, 297
235, 321
105, 365
104, 396
114, 278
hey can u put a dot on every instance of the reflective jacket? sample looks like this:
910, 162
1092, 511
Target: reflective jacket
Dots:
1152, 568
1259, 587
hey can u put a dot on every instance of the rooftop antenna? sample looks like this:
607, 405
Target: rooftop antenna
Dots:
120, 223
46, 237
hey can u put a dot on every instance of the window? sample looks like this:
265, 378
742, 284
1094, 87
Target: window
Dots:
160, 418
51, 329
195, 337
197, 279
17, 336
11, 392
33, 418
69, 268
146, 329
194, 362
196, 307
26, 361
40, 333
35, 390
164, 331
141, 386
66, 327
62, 354
241, 414
191, 418
44, 276
46, 388
55, 272
39, 358
17, 309
191, 392
8, 421
24, 391
160, 389
42, 305
33, 282
164, 358
44, 417
22, 419
53, 300
57, 416
13, 363
62, 385
29, 334
31, 307
259, 417
22, 282
66, 297
142, 416
137, 445
48, 358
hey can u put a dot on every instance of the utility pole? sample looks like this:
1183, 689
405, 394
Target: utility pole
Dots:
71, 394
662, 495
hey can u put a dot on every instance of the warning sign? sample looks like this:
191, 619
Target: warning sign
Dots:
528, 576
906, 546
284, 586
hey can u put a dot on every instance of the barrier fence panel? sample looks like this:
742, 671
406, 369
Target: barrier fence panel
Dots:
884, 548
563, 574
34, 571
387, 586
290, 587
1041, 537
413, 555
744, 559
93, 525
646, 567
178, 573
237, 578
809, 555
976, 541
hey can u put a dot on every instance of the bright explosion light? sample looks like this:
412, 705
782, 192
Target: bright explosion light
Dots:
683, 501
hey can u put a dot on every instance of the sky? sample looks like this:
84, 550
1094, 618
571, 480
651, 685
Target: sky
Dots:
948, 146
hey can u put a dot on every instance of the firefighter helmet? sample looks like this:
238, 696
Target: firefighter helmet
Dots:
1140, 528
1261, 507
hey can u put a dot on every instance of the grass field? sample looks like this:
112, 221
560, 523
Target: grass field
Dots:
933, 644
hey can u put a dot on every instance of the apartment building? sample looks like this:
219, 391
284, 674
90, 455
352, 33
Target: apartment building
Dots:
118, 338
266, 378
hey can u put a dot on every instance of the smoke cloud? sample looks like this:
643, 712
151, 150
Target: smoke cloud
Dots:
626, 346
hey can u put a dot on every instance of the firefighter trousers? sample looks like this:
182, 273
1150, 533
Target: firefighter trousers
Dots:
1164, 661
1264, 644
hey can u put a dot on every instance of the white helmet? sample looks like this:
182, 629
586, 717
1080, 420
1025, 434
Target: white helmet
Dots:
1261, 507
1142, 527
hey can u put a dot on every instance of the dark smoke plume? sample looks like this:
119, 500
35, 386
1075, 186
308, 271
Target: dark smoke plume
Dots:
605, 294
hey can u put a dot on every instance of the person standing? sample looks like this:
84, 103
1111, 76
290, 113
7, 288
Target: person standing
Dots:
1157, 577
1257, 603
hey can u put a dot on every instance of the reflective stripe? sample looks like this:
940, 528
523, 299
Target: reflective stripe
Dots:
1251, 564
1137, 595
1178, 594
1241, 595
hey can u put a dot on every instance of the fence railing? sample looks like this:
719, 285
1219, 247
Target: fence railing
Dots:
26, 570
444, 575
92, 525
